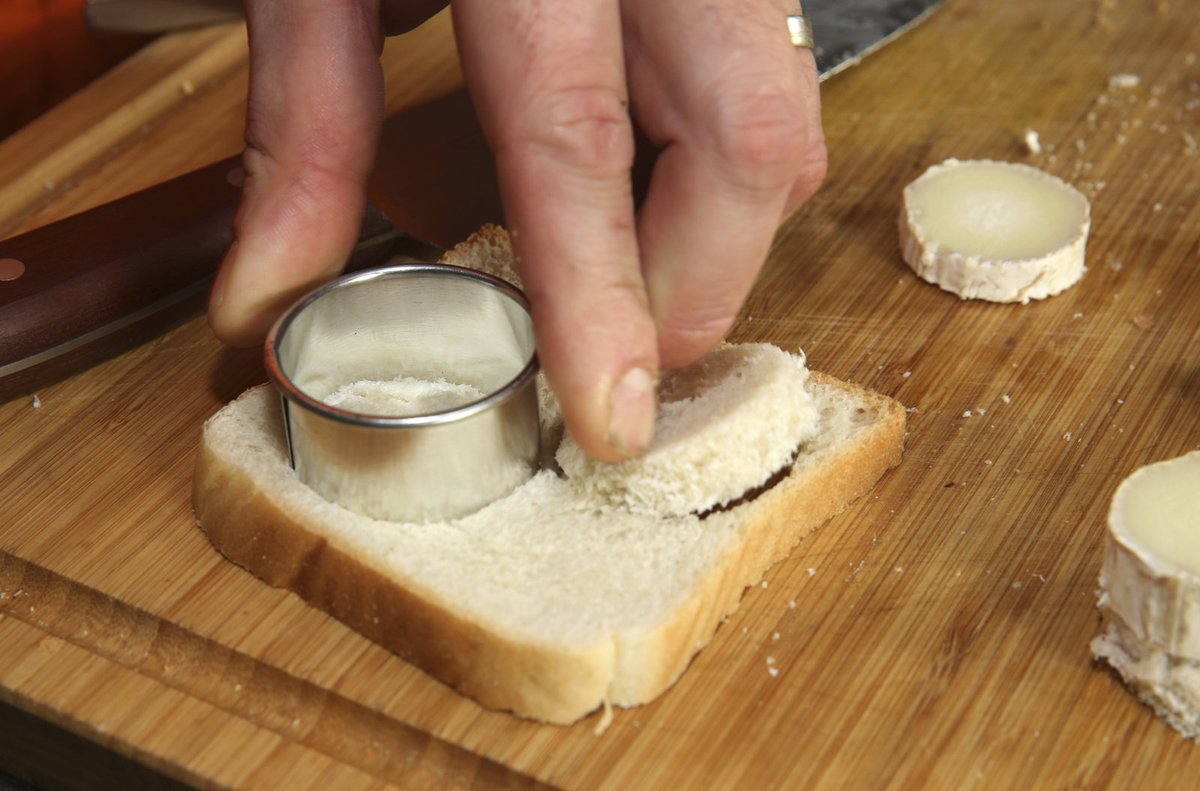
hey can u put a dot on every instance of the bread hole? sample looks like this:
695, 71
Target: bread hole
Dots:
753, 494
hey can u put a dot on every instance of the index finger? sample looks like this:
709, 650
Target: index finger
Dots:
548, 80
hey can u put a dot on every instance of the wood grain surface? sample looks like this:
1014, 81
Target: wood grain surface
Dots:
933, 636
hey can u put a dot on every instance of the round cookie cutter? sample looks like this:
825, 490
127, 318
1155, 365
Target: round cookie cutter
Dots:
409, 391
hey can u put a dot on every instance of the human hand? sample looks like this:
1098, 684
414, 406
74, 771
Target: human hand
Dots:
716, 86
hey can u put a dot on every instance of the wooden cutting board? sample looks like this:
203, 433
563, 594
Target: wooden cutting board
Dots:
934, 635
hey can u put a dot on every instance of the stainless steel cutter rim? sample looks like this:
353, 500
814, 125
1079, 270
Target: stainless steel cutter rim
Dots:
427, 419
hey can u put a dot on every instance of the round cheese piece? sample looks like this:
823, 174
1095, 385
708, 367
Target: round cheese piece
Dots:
998, 231
1150, 589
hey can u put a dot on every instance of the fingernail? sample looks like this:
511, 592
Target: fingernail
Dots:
632, 408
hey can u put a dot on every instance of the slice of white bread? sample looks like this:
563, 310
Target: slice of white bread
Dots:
549, 602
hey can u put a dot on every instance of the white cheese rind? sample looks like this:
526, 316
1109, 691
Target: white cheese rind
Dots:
1168, 685
978, 273
1151, 608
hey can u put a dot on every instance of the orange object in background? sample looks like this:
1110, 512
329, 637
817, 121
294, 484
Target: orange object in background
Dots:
47, 53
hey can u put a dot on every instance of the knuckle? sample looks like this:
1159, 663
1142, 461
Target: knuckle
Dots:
582, 127
762, 138
813, 169
600, 289
687, 336
816, 164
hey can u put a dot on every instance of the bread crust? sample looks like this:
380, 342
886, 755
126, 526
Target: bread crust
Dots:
553, 683
770, 526
271, 541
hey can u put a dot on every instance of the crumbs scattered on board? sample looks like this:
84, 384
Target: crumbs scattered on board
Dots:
1124, 81
1033, 142
1125, 108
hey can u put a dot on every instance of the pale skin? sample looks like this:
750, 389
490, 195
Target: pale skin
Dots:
617, 296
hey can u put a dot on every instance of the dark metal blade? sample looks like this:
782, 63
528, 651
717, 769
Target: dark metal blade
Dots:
845, 31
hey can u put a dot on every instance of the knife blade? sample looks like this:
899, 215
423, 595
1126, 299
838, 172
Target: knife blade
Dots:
846, 31
83, 289
157, 16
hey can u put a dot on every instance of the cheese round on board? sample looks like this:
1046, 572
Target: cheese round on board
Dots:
998, 231
1150, 589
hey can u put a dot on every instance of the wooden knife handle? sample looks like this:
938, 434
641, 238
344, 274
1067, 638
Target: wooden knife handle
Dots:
95, 284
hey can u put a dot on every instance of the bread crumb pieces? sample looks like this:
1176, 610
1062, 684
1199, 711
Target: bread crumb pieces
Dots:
907, 374
1143, 322
898, 569
1124, 81
812, 570
987, 462
1017, 585
967, 413
1033, 143
765, 584
770, 660
1006, 398
776, 636
606, 719
35, 402
774, 671
792, 604
187, 88
1078, 315
1067, 436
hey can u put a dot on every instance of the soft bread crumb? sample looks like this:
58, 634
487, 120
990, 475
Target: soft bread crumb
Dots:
404, 395
1124, 81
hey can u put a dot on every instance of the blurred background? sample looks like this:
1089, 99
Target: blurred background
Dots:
47, 53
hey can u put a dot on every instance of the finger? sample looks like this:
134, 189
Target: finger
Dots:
815, 159
734, 109
548, 81
313, 119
